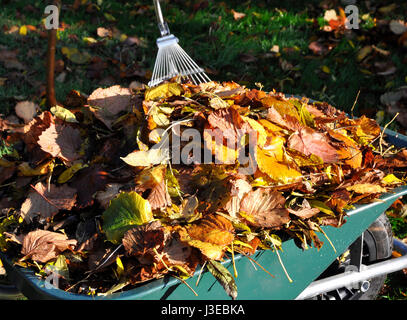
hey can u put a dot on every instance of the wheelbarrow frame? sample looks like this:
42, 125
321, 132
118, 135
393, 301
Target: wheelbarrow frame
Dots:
303, 266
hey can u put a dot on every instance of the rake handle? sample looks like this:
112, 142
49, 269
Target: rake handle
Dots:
162, 25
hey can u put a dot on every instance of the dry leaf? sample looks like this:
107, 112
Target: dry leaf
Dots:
238, 15
61, 141
146, 240
364, 188
310, 142
26, 110
107, 104
47, 203
43, 246
264, 208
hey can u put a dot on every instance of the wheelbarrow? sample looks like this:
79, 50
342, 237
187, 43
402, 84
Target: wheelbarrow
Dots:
356, 269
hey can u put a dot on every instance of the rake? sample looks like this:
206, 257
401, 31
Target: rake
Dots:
172, 60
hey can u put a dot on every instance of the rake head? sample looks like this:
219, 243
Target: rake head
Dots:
173, 61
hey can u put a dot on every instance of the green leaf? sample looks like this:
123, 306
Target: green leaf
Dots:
127, 210
224, 277
63, 114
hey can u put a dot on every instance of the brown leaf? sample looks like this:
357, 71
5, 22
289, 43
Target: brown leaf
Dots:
304, 213
89, 181
177, 252
61, 141
144, 241
34, 128
212, 228
318, 48
264, 208
107, 104
238, 189
238, 15
229, 122
103, 32
310, 142
47, 203
42, 246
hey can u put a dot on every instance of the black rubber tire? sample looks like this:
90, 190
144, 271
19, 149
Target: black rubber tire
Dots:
377, 246
379, 241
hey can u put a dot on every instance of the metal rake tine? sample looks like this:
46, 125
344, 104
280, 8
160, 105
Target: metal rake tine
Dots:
171, 59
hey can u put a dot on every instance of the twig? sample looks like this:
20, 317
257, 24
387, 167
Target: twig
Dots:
233, 261
279, 259
252, 260
184, 282
200, 273
326, 236
354, 104
382, 133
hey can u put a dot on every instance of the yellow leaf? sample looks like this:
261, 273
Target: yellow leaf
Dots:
223, 154
69, 173
23, 30
391, 179
275, 148
363, 53
164, 90
123, 37
146, 158
366, 188
120, 267
26, 171
89, 40
63, 114
277, 171
211, 251
255, 125
109, 17
75, 55
326, 69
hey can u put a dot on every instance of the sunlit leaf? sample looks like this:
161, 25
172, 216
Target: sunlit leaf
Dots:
126, 211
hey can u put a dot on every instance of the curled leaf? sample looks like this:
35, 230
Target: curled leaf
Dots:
42, 245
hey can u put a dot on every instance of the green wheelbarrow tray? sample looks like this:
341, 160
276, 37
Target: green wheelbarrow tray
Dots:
302, 266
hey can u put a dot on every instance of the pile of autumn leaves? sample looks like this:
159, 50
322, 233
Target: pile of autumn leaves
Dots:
87, 172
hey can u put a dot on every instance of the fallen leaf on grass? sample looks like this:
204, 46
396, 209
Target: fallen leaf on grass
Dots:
76, 56
26, 110
238, 15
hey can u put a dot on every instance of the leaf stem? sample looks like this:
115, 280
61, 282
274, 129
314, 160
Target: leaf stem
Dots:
233, 260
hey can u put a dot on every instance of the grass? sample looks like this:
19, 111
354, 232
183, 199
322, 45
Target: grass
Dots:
229, 49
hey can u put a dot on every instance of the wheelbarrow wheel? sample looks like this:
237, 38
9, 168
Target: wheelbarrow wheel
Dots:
377, 246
